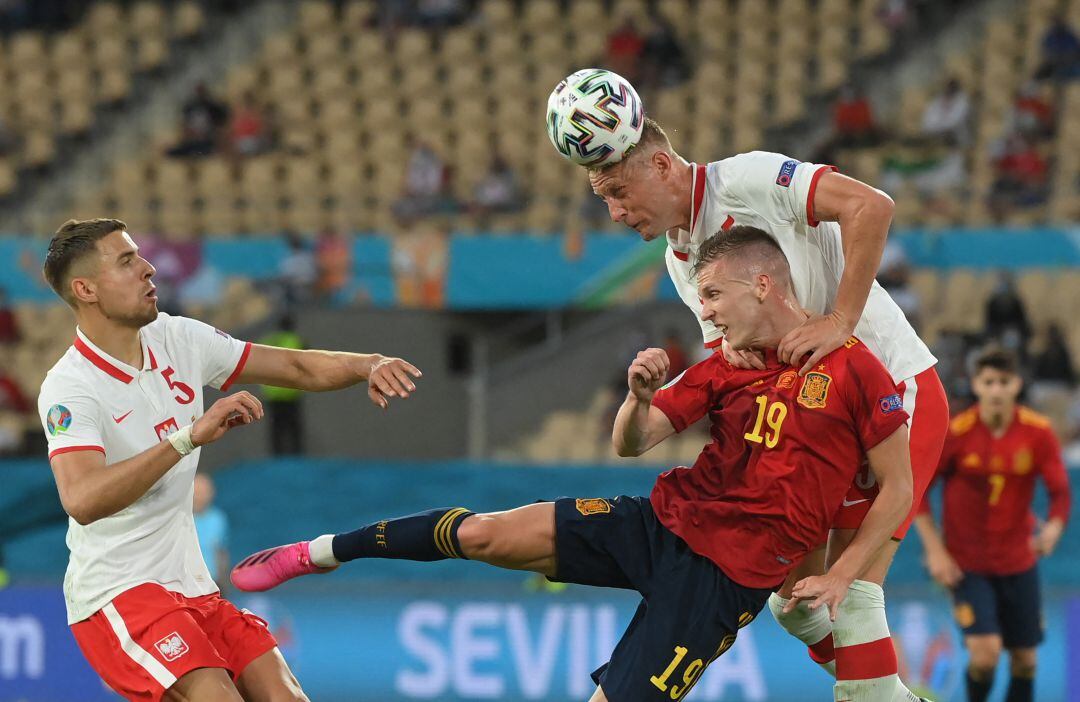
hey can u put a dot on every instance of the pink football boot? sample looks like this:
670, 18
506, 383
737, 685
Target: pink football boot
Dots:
268, 569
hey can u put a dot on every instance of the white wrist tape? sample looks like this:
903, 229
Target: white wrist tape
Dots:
181, 441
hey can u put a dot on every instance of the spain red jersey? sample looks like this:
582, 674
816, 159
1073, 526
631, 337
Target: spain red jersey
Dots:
989, 483
783, 454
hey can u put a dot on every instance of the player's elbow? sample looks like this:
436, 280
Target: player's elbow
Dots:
83, 514
879, 206
624, 450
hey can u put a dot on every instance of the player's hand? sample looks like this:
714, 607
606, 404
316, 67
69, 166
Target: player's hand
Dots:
389, 377
228, 412
818, 336
829, 590
943, 568
1046, 539
647, 373
745, 359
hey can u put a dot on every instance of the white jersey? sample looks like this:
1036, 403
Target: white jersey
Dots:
775, 193
92, 401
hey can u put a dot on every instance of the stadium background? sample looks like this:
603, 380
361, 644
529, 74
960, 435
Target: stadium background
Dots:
376, 176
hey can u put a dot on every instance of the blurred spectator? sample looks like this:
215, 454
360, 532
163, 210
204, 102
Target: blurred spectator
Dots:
9, 326
1054, 362
625, 47
333, 264
212, 529
419, 263
1032, 116
1006, 319
498, 191
1022, 175
12, 398
426, 190
283, 404
948, 114
1060, 52
298, 271
894, 275
664, 63
202, 120
437, 14
248, 130
678, 361
852, 123
930, 167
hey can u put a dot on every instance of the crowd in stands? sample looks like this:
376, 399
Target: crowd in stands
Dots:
935, 161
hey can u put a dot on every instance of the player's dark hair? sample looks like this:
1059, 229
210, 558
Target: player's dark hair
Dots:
71, 242
739, 238
998, 358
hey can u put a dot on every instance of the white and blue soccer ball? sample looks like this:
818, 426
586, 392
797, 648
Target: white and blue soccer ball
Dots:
594, 117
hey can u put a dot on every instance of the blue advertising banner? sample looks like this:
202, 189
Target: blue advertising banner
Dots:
456, 641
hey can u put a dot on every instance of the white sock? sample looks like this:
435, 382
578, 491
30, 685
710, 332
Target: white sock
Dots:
861, 633
321, 549
811, 626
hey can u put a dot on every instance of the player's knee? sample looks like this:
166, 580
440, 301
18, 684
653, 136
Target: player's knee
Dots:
984, 656
479, 537
1022, 663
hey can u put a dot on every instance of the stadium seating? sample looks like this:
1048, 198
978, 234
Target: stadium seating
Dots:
54, 83
454, 88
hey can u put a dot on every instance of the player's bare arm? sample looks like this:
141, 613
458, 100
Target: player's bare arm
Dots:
864, 214
91, 489
318, 371
890, 464
639, 426
941, 565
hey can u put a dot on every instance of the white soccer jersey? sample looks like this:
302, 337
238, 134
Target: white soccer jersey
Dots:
92, 401
775, 193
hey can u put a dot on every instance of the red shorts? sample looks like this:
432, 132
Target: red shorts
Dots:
926, 402
148, 637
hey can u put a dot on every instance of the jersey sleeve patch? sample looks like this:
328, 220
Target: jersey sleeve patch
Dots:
58, 421
787, 172
890, 403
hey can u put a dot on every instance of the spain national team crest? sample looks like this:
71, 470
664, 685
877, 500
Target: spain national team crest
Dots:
815, 390
593, 505
1023, 461
59, 420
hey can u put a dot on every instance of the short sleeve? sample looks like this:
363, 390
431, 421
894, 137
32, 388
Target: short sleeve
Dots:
877, 405
71, 420
691, 394
221, 356
679, 270
777, 187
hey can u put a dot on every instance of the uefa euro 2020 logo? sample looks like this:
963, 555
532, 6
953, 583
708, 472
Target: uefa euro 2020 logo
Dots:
59, 420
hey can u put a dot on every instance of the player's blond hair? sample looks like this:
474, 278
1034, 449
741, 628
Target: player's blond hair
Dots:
653, 138
72, 242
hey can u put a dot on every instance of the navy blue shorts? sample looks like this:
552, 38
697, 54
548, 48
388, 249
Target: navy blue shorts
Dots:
690, 613
1009, 605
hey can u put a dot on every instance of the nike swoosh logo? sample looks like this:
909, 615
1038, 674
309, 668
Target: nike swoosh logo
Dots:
848, 503
123, 416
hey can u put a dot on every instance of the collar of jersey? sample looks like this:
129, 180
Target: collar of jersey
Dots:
109, 365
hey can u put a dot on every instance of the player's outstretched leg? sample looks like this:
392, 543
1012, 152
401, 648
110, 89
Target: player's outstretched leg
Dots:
811, 626
521, 539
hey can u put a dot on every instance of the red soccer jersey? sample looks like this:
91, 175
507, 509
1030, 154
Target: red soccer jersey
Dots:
989, 483
783, 454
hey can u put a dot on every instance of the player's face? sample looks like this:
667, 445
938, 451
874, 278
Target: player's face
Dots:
122, 282
995, 389
637, 195
729, 303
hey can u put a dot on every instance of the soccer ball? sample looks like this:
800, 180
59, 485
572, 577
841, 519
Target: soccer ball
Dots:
594, 117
